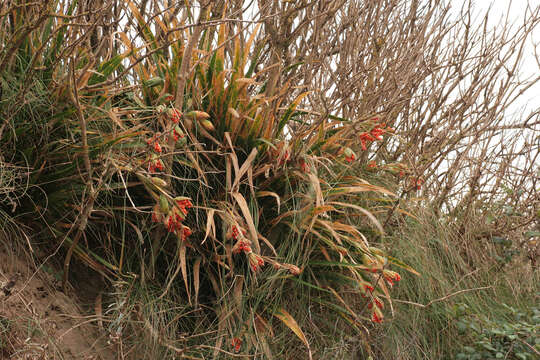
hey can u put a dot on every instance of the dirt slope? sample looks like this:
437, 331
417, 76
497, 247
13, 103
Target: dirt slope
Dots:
38, 321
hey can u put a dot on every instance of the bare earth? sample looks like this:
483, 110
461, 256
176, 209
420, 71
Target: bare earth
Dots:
38, 321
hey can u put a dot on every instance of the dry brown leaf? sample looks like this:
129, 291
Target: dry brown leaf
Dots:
240, 172
362, 188
329, 227
196, 279
210, 225
363, 211
99, 310
291, 323
183, 267
270, 193
237, 293
319, 200
268, 243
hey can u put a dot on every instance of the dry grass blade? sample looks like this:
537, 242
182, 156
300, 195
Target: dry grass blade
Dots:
363, 211
319, 199
249, 220
196, 279
361, 188
344, 303
98, 308
210, 225
291, 323
183, 266
273, 194
243, 169
238, 293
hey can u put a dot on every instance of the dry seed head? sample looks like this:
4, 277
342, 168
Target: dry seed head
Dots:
158, 181
160, 109
178, 131
376, 251
368, 260
198, 115
207, 125
293, 269
381, 260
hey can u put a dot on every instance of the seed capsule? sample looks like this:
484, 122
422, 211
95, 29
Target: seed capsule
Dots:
163, 204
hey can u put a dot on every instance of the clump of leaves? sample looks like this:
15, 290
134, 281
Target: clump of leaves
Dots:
249, 219
514, 337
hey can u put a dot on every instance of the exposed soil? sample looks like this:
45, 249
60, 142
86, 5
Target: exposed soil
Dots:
38, 320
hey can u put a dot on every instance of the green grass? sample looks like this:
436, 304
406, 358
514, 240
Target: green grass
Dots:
431, 246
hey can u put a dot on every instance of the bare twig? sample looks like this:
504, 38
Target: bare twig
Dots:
442, 298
